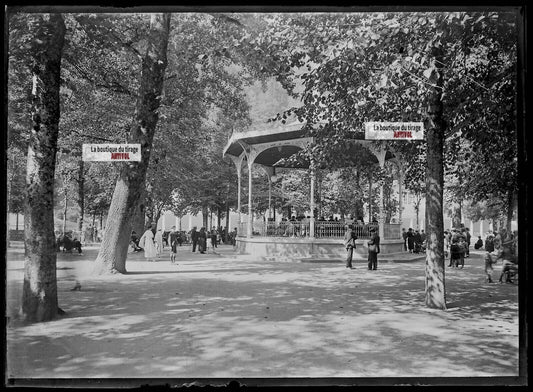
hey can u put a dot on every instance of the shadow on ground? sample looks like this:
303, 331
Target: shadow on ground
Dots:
212, 316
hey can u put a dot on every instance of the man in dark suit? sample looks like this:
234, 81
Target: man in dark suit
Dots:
194, 238
349, 244
373, 250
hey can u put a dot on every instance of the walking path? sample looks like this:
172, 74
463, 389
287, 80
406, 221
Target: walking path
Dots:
223, 316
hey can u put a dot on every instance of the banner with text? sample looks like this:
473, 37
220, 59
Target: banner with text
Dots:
394, 131
111, 152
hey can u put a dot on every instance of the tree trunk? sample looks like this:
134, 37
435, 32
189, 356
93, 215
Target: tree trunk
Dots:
510, 204
148, 213
158, 215
81, 199
205, 216
113, 251
93, 234
370, 197
227, 223
65, 208
435, 125
17, 221
39, 296
417, 209
138, 220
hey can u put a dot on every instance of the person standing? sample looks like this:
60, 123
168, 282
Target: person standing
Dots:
490, 257
202, 240
158, 239
417, 241
404, 236
209, 242
423, 237
373, 250
349, 244
214, 238
234, 237
447, 246
456, 250
468, 238
410, 240
173, 242
147, 243
194, 238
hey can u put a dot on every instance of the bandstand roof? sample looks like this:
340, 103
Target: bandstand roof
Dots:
280, 141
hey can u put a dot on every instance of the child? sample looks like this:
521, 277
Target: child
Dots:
173, 241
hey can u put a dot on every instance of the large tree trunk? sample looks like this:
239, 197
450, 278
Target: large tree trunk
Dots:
435, 283
113, 251
81, 199
39, 296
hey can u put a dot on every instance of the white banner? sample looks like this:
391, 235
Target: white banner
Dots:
394, 131
111, 152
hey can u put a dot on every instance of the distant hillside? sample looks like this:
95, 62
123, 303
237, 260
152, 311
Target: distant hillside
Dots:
267, 103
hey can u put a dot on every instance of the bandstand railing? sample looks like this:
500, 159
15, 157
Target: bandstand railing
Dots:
323, 229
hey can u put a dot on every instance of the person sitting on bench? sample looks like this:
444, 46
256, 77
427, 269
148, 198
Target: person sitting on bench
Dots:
77, 245
67, 244
479, 243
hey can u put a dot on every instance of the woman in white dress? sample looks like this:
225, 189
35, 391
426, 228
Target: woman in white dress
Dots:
147, 243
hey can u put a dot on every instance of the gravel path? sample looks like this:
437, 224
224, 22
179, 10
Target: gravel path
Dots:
223, 316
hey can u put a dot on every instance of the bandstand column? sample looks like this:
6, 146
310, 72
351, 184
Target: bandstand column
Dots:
380, 153
249, 223
400, 193
381, 212
312, 204
239, 176
238, 165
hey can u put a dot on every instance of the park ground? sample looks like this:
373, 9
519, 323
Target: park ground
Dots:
224, 316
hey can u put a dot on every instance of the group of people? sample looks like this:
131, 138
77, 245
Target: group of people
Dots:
152, 242
68, 243
372, 246
457, 246
414, 241
502, 246
204, 239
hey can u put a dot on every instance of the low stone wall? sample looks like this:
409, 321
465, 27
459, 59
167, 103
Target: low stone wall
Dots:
295, 248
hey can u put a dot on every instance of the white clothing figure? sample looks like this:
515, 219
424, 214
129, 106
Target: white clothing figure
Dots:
158, 242
147, 243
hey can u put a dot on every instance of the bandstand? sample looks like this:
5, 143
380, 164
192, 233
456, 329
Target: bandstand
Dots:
269, 148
